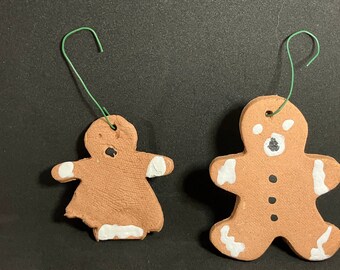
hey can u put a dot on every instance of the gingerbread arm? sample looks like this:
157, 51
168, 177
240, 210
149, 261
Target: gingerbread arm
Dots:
223, 171
326, 173
155, 165
68, 171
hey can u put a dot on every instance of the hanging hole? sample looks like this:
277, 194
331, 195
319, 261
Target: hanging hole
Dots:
114, 127
269, 113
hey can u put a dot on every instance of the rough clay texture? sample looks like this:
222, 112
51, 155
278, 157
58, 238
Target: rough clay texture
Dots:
249, 231
114, 190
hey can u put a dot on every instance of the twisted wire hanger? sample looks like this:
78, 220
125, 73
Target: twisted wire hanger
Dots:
292, 66
102, 109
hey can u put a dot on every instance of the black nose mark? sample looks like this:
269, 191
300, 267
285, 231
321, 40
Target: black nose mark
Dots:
110, 152
273, 145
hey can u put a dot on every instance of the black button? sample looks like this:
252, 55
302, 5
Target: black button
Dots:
272, 200
273, 178
274, 217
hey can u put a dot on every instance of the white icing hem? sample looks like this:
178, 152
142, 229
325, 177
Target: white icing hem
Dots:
108, 232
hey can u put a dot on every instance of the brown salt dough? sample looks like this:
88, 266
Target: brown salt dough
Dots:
277, 186
114, 197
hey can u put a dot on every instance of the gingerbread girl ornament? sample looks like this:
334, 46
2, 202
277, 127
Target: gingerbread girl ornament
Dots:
276, 184
113, 197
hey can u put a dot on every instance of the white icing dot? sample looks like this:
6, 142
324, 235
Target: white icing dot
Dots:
257, 129
287, 124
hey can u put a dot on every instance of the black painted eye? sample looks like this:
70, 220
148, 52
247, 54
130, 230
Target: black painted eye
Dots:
110, 152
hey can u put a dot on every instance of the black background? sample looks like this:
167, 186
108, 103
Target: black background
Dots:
181, 72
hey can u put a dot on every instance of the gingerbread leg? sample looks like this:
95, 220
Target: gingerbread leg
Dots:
240, 239
316, 243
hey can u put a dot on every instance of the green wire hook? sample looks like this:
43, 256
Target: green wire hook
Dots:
292, 66
102, 109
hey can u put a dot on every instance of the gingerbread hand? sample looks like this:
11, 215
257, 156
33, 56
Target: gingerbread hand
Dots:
223, 172
326, 173
114, 197
277, 185
158, 165
67, 171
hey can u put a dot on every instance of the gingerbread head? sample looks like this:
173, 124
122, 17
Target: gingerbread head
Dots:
277, 185
284, 133
114, 197
100, 138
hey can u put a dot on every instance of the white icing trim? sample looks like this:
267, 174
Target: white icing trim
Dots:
257, 129
157, 167
65, 169
235, 248
318, 254
281, 142
287, 124
108, 232
319, 178
227, 172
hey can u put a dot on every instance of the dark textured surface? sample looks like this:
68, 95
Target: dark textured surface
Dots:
181, 72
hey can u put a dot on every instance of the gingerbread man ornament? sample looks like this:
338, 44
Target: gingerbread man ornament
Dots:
114, 197
277, 185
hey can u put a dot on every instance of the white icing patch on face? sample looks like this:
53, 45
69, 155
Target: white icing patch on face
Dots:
318, 254
257, 129
227, 172
275, 145
157, 167
319, 178
66, 169
287, 124
235, 248
108, 232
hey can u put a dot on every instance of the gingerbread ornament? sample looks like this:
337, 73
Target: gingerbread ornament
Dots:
113, 197
276, 184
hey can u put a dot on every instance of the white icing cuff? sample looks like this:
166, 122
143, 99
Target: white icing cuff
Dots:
227, 174
319, 177
157, 167
66, 169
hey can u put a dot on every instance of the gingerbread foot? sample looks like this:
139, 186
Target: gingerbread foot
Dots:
239, 240
277, 184
318, 245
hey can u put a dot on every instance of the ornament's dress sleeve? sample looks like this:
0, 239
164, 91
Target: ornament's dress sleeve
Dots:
68, 171
155, 165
